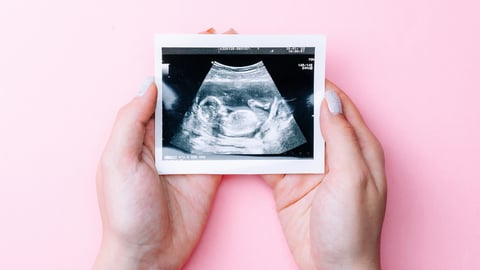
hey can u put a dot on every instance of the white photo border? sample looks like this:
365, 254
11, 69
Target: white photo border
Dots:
244, 166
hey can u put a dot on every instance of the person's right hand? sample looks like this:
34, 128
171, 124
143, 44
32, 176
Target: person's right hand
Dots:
149, 221
334, 220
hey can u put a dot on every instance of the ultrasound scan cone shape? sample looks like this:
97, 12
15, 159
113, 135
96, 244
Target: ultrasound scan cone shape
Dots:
238, 110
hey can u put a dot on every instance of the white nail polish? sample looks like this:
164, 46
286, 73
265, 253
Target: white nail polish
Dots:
333, 102
145, 85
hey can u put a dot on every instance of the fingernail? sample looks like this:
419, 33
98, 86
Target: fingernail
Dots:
231, 31
333, 102
145, 85
210, 30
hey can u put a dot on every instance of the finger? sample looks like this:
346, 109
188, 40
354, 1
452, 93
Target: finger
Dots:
370, 147
230, 31
149, 140
343, 149
273, 179
209, 31
367, 139
128, 133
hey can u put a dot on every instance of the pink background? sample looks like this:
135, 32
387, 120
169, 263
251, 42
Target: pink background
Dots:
411, 66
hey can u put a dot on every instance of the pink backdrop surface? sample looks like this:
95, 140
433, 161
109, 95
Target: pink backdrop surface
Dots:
411, 66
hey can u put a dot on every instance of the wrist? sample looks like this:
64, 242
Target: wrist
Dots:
114, 254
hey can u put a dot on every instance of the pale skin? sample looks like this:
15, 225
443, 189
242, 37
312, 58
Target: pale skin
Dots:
334, 220
330, 221
149, 221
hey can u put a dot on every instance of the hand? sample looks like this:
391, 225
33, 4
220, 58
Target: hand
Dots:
334, 220
149, 221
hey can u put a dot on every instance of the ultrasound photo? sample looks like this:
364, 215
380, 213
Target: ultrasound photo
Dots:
237, 103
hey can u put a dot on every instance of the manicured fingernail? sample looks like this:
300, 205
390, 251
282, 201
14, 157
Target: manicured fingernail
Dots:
333, 102
145, 85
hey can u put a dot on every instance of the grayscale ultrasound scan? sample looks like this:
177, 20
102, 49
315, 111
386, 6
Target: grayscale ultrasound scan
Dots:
238, 110
240, 102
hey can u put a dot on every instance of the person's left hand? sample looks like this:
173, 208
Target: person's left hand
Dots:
149, 221
334, 220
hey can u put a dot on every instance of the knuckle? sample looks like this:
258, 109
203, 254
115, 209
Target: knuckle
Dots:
106, 161
122, 111
357, 175
378, 148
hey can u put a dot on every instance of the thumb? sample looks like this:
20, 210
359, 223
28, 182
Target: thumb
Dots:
128, 133
342, 147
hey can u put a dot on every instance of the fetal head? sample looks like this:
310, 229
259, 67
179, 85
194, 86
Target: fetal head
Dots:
211, 110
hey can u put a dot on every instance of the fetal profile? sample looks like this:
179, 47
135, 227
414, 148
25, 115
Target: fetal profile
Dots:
238, 110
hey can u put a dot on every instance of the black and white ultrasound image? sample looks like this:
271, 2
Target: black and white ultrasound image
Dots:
240, 104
